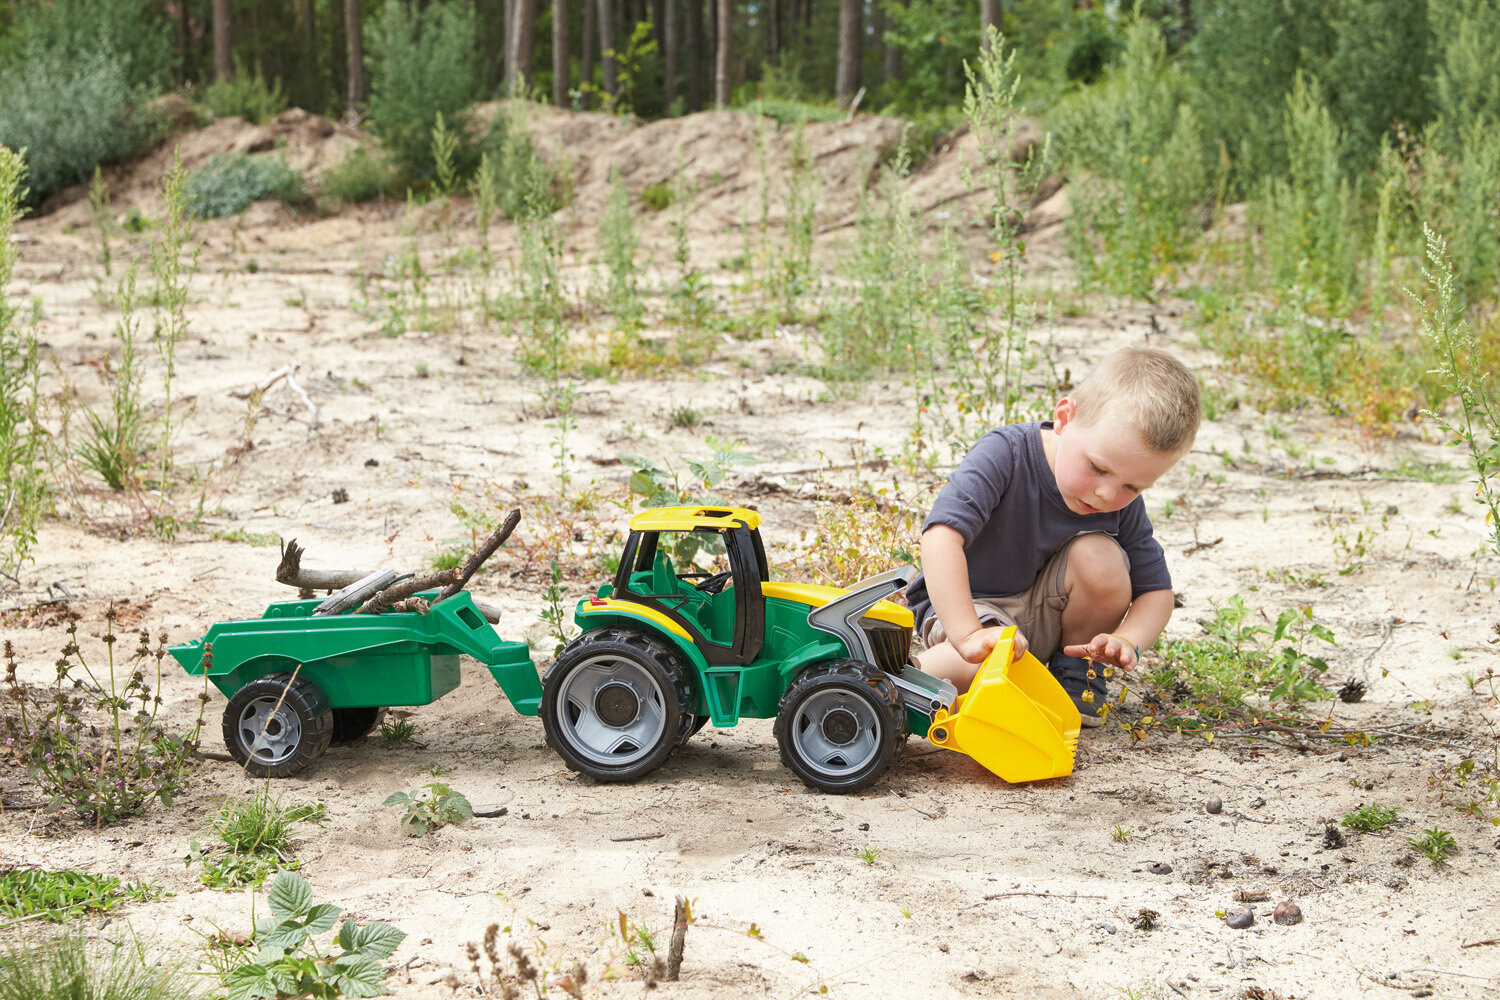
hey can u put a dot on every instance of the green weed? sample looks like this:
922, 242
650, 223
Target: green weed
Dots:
67, 895
246, 95
869, 854
71, 966
431, 806
1436, 844
1371, 818
399, 732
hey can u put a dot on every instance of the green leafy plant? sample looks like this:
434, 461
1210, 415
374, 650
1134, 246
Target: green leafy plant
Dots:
67, 895
1436, 844
363, 175
229, 182
1293, 670
431, 806
1120, 834
869, 854
115, 446
92, 743
555, 613
288, 961
1371, 818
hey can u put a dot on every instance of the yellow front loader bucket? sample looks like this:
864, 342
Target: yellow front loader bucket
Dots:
1015, 719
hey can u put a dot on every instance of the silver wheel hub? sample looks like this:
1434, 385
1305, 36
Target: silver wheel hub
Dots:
611, 710
269, 730
836, 731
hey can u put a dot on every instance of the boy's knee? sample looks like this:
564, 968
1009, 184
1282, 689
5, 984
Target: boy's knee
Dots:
1097, 565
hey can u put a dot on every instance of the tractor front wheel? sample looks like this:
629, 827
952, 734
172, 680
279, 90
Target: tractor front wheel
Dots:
275, 726
839, 725
616, 704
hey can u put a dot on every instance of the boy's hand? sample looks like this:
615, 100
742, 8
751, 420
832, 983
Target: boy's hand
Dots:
980, 643
1106, 648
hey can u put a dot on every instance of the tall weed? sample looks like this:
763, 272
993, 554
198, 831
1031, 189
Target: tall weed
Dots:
23, 489
618, 245
116, 446
173, 264
1467, 374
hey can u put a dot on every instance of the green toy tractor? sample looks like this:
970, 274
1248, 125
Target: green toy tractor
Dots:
663, 652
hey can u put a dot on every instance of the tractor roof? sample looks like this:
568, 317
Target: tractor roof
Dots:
694, 518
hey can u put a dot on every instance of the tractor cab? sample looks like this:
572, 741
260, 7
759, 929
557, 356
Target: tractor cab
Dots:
700, 569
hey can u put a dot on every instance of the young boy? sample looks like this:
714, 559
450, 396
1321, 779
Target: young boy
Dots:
1043, 527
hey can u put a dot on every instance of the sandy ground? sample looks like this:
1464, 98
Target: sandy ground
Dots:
941, 880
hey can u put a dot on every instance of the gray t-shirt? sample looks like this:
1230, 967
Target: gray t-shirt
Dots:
1003, 499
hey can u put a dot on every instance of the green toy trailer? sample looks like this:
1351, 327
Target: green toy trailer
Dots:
309, 674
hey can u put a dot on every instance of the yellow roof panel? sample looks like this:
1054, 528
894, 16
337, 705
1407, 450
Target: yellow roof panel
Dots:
693, 517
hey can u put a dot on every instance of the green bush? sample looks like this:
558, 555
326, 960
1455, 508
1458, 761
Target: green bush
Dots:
68, 112
364, 175
245, 95
228, 183
422, 65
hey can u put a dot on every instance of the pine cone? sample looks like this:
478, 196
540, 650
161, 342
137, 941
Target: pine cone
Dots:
1352, 691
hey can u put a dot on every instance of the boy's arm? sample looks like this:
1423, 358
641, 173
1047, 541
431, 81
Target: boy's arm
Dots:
945, 569
1148, 615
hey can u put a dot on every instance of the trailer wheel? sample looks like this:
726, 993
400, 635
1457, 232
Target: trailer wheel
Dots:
275, 726
839, 725
616, 704
350, 724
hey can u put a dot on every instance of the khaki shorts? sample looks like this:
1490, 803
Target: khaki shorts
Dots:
1036, 613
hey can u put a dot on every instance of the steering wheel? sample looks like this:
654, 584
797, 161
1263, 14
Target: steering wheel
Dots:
715, 583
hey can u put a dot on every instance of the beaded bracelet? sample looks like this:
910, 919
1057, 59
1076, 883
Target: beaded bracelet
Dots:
1134, 648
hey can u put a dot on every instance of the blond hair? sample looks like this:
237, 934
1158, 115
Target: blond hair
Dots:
1148, 388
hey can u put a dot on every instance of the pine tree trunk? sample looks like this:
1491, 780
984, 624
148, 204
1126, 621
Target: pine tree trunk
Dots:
892, 63
670, 31
721, 57
354, 39
586, 53
989, 17
694, 54
223, 48
518, 47
607, 47
851, 17
560, 79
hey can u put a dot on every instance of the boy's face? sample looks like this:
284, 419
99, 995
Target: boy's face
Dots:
1102, 466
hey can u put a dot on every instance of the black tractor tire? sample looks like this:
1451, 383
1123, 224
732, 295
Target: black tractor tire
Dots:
617, 703
350, 724
275, 726
840, 725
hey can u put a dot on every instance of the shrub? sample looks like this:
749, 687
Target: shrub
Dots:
67, 895
422, 65
92, 743
364, 175
69, 112
228, 183
245, 95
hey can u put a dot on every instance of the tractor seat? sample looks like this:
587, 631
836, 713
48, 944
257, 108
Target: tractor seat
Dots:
664, 577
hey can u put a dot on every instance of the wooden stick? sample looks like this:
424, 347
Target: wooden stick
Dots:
484, 552
401, 591
679, 940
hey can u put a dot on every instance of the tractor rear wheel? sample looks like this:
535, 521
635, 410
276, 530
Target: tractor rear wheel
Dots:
275, 726
350, 724
840, 725
616, 704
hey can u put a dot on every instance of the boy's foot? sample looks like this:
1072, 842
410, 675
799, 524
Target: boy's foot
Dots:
1088, 693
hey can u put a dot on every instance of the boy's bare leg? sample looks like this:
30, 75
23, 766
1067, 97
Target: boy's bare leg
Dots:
1097, 581
944, 661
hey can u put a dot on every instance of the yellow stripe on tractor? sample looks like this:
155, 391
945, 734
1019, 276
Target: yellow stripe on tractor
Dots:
605, 605
815, 595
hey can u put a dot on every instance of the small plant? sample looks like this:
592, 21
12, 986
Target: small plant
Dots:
246, 95
112, 762
400, 732
1435, 844
363, 175
555, 614
23, 489
71, 966
869, 854
1371, 818
431, 806
254, 840
67, 895
229, 182
1120, 834
658, 197
288, 961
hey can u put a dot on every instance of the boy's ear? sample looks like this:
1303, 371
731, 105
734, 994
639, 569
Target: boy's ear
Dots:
1063, 414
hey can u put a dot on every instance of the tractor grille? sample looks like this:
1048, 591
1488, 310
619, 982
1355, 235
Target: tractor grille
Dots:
892, 644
